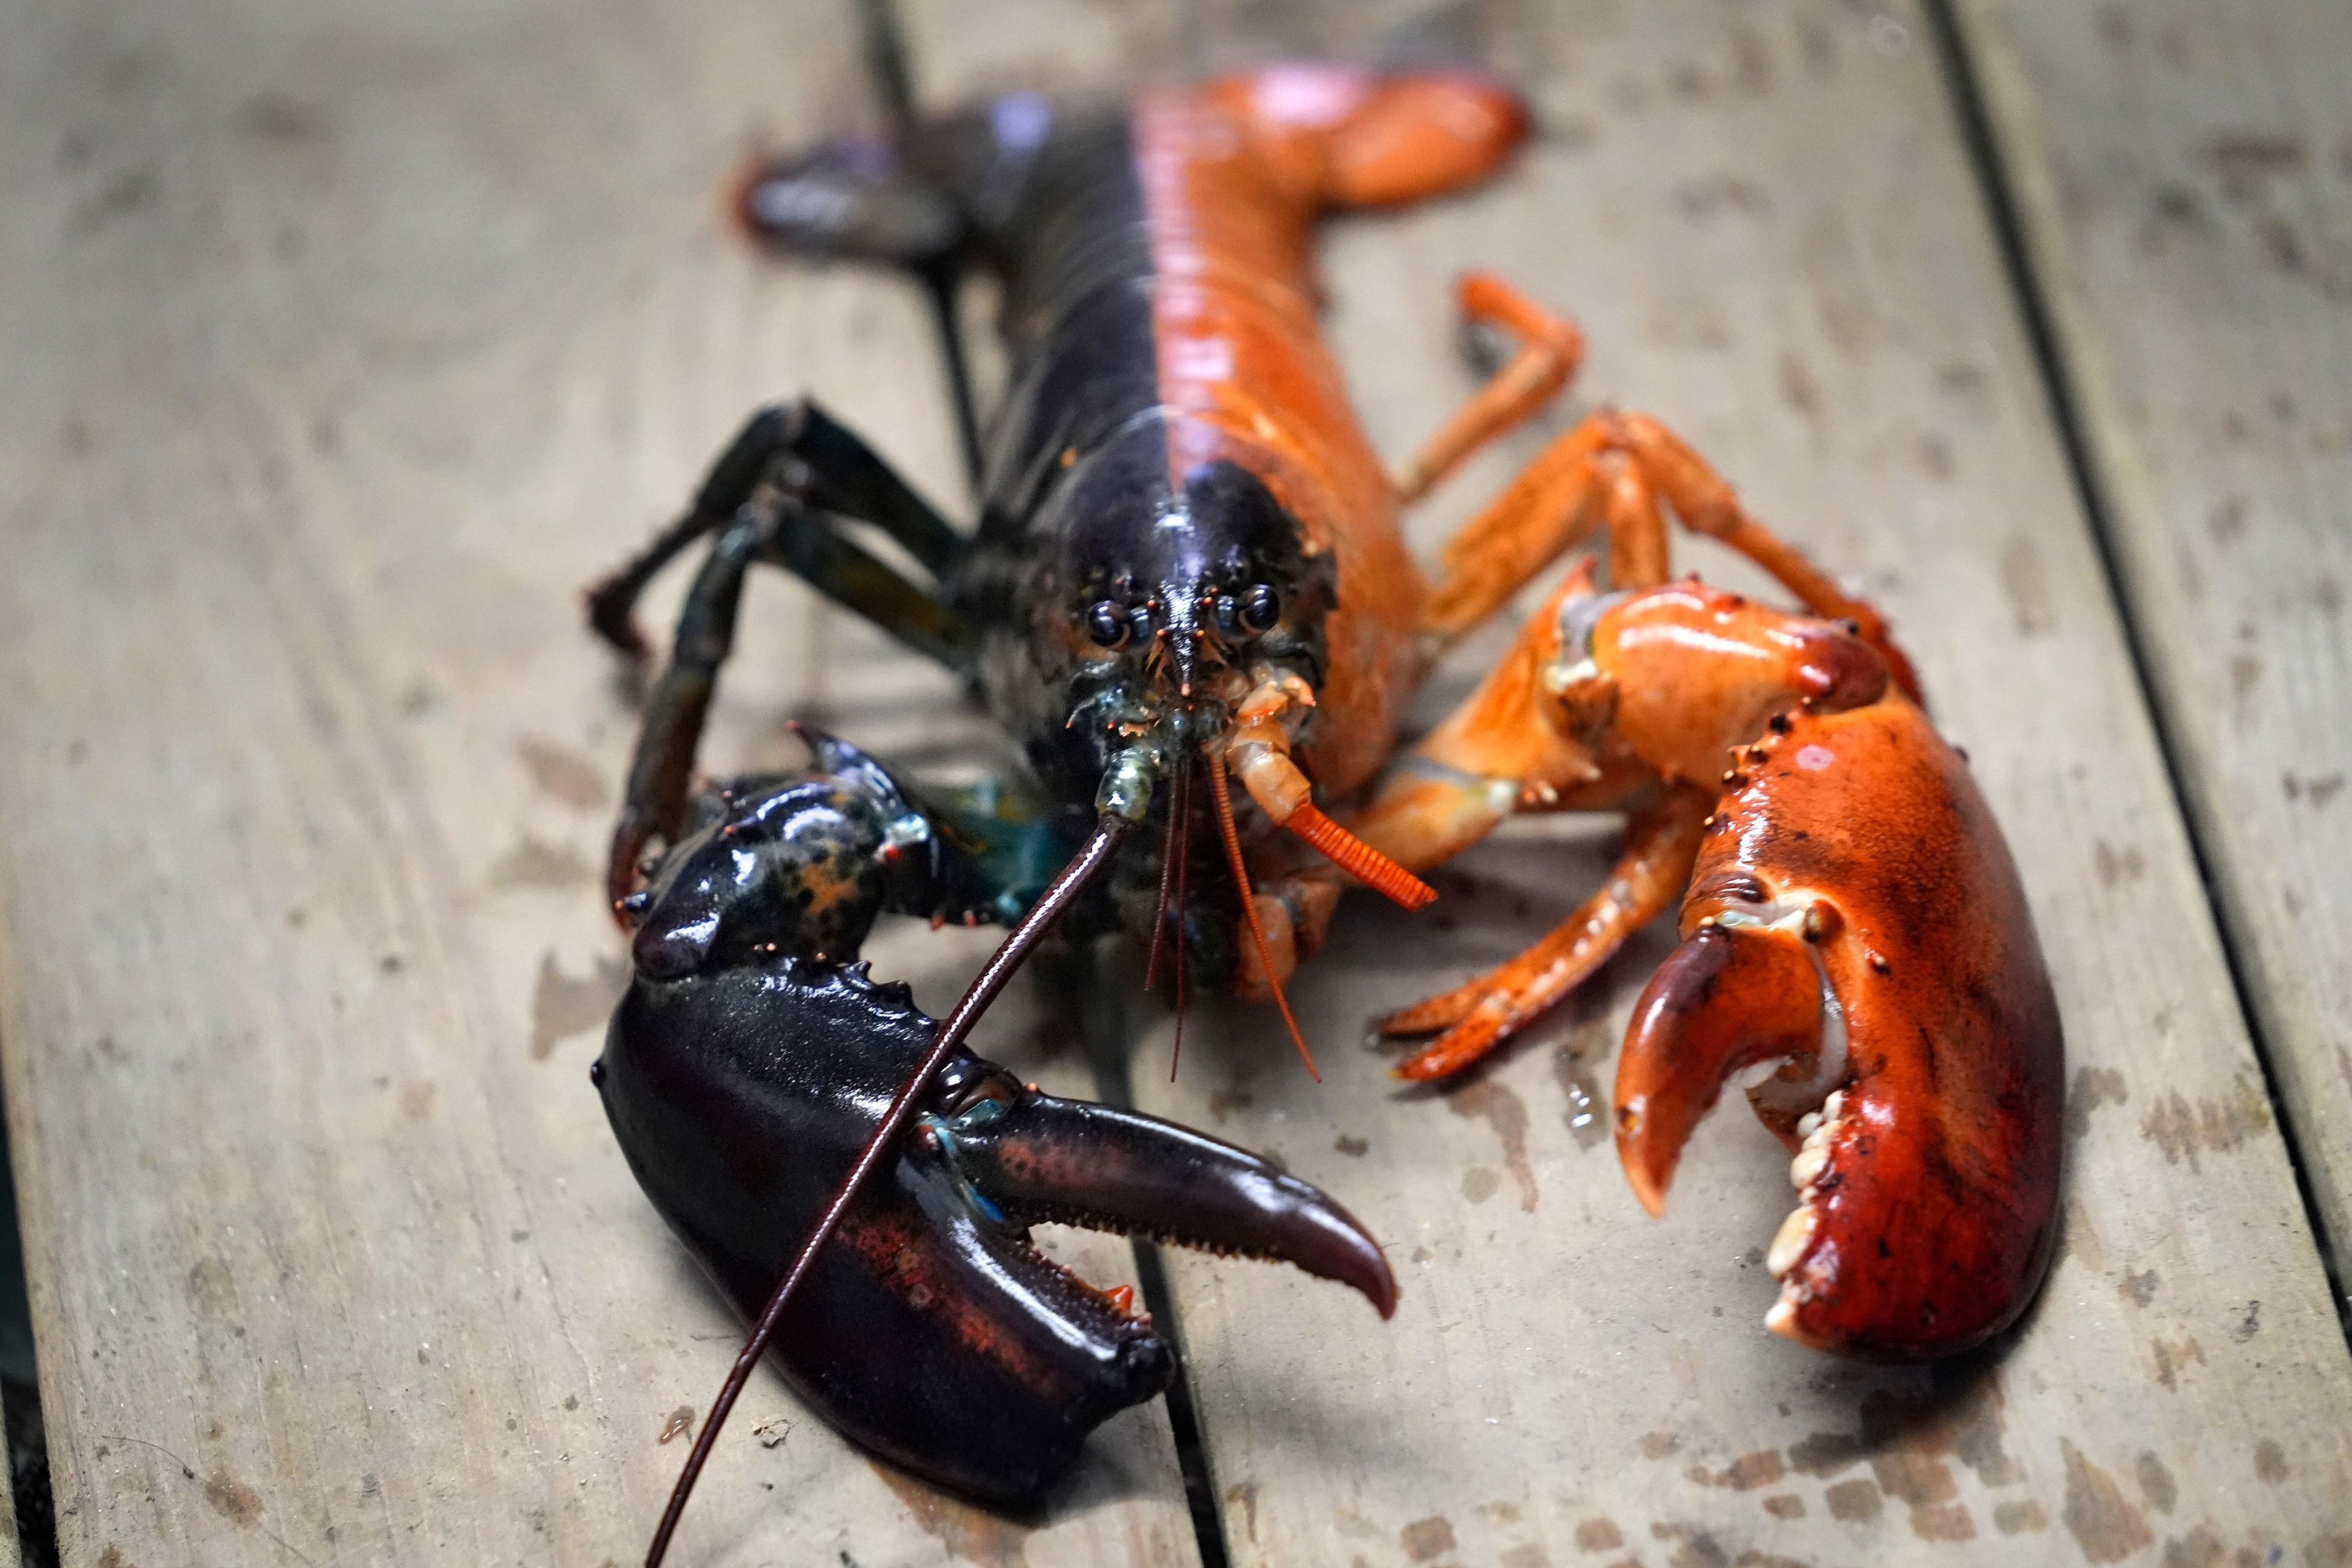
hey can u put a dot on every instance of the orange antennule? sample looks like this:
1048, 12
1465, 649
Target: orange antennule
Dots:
1249, 908
1358, 858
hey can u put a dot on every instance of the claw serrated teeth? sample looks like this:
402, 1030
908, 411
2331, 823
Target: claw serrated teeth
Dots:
1809, 1123
1790, 1243
1807, 1165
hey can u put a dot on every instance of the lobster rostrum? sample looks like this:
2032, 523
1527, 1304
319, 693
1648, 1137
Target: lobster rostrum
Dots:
1189, 572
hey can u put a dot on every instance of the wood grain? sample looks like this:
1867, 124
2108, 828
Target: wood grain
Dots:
346, 347
12, 1550
2184, 179
1768, 227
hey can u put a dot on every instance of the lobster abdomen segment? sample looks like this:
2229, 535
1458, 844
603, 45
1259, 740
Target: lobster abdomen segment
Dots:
1926, 1115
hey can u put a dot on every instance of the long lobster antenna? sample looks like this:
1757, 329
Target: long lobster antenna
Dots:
1183, 816
983, 990
1249, 908
1167, 879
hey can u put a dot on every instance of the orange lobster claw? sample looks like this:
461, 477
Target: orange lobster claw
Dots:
1855, 909
1730, 997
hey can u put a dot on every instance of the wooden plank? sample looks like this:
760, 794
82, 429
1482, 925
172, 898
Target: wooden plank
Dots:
2184, 176
1768, 225
346, 346
11, 1546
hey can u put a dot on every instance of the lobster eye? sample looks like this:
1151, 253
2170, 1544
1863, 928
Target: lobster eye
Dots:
1261, 606
1107, 623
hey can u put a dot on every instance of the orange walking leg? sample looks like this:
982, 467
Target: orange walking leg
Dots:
1513, 740
1541, 516
1637, 529
1546, 511
1662, 841
1550, 348
1707, 505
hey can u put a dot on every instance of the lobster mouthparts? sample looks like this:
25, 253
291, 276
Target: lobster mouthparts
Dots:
1855, 916
932, 1331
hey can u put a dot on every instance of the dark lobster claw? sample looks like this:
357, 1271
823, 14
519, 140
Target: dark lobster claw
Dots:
931, 1332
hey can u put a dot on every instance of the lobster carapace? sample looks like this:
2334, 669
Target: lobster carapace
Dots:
1187, 569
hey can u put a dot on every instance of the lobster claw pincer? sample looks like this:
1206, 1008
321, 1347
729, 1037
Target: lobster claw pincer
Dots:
1037, 1158
1854, 915
743, 1076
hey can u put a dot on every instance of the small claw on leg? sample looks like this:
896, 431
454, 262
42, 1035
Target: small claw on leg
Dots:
1493, 1020
1728, 998
610, 615
1432, 1013
1661, 840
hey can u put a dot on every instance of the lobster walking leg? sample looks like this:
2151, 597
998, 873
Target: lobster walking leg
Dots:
1637, 530
1549, 350
653, 801
806, 544
1547, 511
780, 531
1661, 839
773, 496
1542, 514
811, 456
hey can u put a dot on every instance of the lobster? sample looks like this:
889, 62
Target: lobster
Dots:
1189, 572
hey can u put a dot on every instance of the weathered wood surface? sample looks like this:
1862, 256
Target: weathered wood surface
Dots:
1767, 224
345, 346
2184, 179
11, 1552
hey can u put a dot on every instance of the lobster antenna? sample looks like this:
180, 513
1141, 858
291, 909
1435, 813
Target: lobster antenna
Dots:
1249, 907
1167, 879
1183, 853
983, 990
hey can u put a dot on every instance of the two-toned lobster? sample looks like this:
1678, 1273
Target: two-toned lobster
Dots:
1189, 569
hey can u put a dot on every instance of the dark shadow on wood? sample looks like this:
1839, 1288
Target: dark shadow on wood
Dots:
1075, 984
